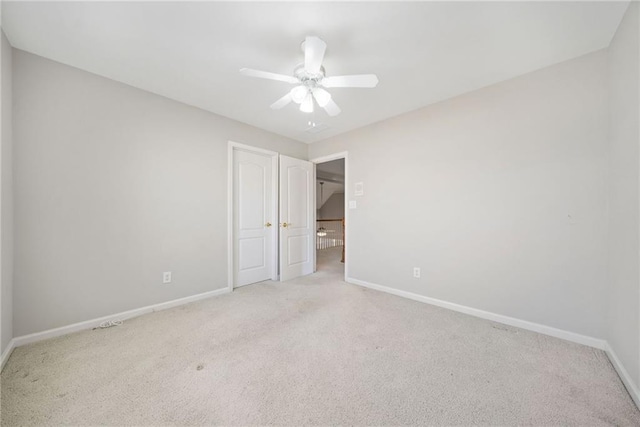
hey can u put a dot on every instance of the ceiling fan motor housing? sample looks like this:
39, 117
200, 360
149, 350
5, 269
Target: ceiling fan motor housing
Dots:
308, 79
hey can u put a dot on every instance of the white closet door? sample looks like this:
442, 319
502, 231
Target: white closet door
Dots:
296, 218
253, 207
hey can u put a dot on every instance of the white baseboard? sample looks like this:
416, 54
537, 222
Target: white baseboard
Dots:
511, 321
632, 388
6, 353
89, 324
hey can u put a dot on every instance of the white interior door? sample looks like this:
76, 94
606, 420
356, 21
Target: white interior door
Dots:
254, 204
296, 218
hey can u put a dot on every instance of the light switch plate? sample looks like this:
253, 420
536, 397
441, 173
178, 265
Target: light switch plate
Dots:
359, 190
352, 204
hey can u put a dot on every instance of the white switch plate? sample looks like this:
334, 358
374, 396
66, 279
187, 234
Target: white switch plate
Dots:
416, 272
352, 204
359, 191
166, 277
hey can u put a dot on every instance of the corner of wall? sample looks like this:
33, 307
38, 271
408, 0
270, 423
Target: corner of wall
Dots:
623, 287
6, 198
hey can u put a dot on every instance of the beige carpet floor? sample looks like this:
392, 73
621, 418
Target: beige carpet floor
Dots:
311, 351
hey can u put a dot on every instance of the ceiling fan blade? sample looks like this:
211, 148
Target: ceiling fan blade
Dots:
282, 102
267, 75
332, 108
322, 96
314, 49
357, 80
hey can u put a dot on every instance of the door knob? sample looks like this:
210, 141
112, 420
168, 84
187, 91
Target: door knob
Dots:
284, 224
268, 224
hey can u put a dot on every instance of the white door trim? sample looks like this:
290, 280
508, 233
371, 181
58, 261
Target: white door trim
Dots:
341, 155
274, 184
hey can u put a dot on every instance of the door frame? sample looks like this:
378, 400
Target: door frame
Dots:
231, 262
335, 156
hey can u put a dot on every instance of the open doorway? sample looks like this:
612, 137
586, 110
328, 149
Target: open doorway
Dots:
330, 216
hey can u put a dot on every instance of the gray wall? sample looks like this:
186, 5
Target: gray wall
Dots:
333, 208
499, 195
6, 198
113, 186
624, 192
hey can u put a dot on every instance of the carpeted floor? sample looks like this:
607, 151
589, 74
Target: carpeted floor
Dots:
311, 351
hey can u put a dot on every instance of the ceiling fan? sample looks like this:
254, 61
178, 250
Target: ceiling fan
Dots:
311, 82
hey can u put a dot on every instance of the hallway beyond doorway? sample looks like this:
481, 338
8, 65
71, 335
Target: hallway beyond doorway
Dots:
328, 260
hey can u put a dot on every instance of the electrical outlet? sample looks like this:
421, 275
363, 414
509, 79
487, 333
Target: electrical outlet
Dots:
166, 277
416, 272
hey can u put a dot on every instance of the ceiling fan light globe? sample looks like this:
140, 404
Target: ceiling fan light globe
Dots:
298, 94
322, 96
307, 104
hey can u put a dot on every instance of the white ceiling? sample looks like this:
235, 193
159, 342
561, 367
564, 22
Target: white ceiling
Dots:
421, 52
